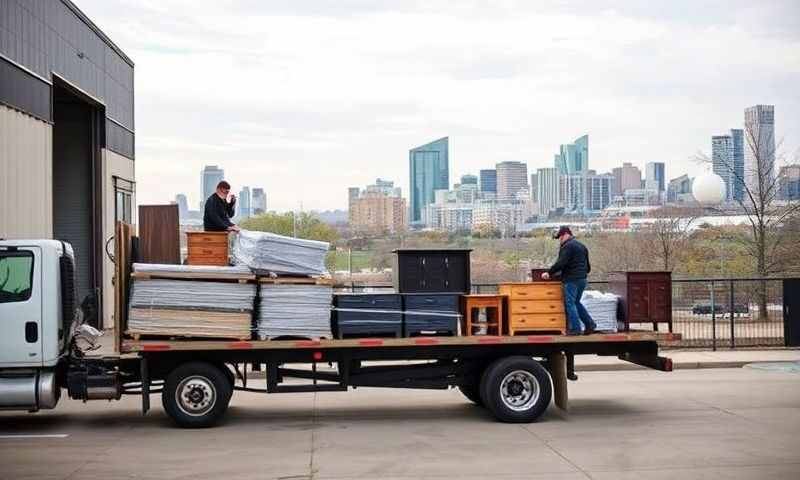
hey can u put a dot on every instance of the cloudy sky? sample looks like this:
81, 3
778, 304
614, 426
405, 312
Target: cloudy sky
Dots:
306, 98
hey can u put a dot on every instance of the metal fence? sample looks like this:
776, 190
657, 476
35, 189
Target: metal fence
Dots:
708, 312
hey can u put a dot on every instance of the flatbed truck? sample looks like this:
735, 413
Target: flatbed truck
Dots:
42, 353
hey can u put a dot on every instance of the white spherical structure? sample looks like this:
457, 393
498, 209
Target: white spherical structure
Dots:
708, 189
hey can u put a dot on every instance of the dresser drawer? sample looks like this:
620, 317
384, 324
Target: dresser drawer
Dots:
207, 238
536, 292
428, 302
209, 260
537, 306
209, 250
380, 301
538, 320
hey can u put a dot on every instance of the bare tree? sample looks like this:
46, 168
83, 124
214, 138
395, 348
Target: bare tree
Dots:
760, 201
669, 232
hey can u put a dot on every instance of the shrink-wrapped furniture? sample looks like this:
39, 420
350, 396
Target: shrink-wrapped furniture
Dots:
268, 253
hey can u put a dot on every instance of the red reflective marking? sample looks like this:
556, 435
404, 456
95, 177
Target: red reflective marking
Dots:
307, 343
490, 340
615, 337
667, 364
540, 338
317, 355
240, 345
426, 341
154, 347
370, 342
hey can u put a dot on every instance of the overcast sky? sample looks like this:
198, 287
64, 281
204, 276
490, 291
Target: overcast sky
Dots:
307, 98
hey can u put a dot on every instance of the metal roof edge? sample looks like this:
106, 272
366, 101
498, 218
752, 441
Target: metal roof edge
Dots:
82, 16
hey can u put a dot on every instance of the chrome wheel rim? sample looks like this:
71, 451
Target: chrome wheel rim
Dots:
519, 390
196, 396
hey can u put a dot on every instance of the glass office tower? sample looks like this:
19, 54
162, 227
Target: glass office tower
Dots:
428, 172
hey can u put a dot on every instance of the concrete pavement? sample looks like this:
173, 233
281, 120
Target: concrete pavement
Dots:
683, 359
720, 423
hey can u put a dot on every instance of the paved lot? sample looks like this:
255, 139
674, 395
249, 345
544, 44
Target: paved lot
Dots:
720, 423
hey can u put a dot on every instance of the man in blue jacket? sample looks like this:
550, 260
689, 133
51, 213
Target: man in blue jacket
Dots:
573, 266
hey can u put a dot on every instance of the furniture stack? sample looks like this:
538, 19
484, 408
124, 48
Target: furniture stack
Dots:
602, 307
207, 248
268, 253
534, 307
368, 315
294, 308
645, 297
191, 301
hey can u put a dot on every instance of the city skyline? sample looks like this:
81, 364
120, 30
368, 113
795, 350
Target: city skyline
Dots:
305, 101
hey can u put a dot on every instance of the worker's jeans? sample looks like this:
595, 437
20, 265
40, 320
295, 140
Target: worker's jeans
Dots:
576, 313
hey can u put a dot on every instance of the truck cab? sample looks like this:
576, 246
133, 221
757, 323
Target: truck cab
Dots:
37, 311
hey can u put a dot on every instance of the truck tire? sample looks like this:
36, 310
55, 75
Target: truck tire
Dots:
196, 395
473, 393
516, 389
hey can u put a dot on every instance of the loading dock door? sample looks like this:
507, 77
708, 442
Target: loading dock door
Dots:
73, 184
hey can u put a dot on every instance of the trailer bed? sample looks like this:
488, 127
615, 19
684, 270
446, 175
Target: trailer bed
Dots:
135, 346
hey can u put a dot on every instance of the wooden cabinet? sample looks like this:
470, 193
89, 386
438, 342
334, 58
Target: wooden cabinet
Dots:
207, 248
432, 271
159, 240
534, 307
646, 297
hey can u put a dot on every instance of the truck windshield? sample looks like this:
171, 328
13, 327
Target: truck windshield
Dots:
16, 276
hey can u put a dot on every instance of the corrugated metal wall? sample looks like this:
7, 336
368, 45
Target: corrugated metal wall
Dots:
26, 176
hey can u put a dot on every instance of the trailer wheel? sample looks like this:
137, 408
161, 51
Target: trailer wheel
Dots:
473, 393
196, 395
516, 389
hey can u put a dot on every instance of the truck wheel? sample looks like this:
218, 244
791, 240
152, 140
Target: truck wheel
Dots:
196, 395
516, 389
473, 393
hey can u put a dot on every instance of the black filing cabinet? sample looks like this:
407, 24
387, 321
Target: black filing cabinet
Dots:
430, 314
432, 271
367, 315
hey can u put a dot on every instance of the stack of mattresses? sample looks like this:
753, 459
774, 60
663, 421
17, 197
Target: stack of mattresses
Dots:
270, 253
602, 307
368, 315
294, 310
431, 314
191, 301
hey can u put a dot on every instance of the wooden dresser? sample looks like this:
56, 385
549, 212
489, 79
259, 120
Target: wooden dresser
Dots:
646, 297
207, 248
534, 307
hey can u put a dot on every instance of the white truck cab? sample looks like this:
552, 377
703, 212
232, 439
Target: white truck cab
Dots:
37, 310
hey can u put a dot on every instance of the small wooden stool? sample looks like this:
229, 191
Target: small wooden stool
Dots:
207, 248
492, 304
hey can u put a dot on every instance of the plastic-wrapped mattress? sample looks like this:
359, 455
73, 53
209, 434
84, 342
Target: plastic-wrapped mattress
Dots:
603, 309
294, 311
267, 252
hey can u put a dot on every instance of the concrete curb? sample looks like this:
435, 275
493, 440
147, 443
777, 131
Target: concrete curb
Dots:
611, 367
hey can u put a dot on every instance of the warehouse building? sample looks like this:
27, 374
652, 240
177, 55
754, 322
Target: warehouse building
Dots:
66, 135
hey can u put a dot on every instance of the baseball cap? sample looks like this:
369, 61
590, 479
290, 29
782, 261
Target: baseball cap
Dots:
561, 231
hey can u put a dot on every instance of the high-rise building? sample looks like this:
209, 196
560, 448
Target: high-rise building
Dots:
489, 180
679, 189
789, 183
597, 193
183, 205
512, 177
737, 136
547, 190
573, 158
209, 178
377, 208
722, 162
759, 147
469, 179
258, 201
428, 171
244, 208
626, 177
534, 187
654, 176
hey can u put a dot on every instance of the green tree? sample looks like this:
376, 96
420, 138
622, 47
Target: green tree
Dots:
304, 224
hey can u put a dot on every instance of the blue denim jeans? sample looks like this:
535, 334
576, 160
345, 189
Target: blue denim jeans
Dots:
576, 313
